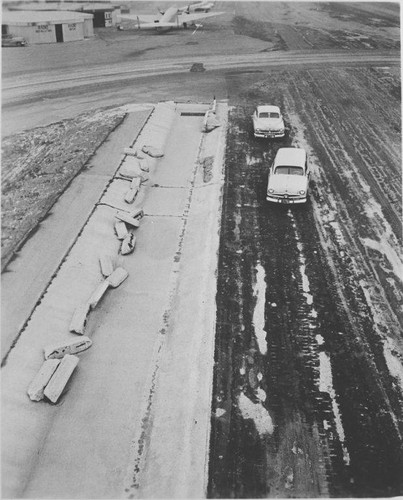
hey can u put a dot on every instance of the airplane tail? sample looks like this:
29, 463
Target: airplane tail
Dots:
169, 15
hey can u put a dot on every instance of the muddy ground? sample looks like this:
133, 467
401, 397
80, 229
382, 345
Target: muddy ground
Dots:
307, 400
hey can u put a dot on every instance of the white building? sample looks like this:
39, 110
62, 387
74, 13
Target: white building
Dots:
105, 13
48, 26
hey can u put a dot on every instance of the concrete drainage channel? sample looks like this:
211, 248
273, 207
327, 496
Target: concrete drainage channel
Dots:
131, 384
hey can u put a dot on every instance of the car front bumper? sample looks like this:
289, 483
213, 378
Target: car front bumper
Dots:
287, 200
268, 134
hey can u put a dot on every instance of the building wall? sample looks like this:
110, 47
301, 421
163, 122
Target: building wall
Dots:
73, 31
46, 32
40, 33
88, 28
104, 18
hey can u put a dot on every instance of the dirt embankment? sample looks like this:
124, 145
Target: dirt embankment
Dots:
38, 165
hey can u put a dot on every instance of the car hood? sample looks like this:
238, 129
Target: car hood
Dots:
290, 184
269, 123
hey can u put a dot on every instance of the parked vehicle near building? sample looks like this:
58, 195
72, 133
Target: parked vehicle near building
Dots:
9, 40
268, 122
288, 180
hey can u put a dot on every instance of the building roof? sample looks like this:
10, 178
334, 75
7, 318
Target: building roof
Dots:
290, 157
65, 6
27, 17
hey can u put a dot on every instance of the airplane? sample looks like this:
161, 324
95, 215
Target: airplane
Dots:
171, 19
197, 7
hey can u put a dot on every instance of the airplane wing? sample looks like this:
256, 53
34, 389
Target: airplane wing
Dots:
157, 26
143, 18
190, 18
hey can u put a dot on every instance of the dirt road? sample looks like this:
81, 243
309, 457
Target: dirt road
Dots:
308, 377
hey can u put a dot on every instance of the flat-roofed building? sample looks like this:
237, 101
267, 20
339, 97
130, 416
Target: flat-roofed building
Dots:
48, 26
105, 13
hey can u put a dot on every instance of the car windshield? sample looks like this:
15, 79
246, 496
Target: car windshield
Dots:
289, 170
266, 114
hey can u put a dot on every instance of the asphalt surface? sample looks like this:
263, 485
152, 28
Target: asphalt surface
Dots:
307, 397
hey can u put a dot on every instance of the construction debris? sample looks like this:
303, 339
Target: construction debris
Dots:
114, 280
136, 181
69, 347
38, 384
210, 121
79, 319
128, 244
130, 151
60, 378
132, 219
121, 230
131, 195
107, 264
130, 168
152, 151
133, 152
144, 165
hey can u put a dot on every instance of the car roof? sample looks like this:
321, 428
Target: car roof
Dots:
269, 108
290, 157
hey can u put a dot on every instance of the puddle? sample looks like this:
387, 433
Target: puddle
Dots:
256, 412
326, 385
259, 291
394, 364
386, 249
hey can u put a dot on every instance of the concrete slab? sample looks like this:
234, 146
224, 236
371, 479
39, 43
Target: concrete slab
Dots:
140, 335
27, 276
178, 436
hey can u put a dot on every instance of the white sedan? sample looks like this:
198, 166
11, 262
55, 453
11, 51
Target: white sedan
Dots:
268, 122
288, 177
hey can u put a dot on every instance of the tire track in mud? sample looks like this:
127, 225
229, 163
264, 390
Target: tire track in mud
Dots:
314, 411
352, 140
293, 457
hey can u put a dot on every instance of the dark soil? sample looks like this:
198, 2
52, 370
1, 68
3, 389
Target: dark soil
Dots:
335, 438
